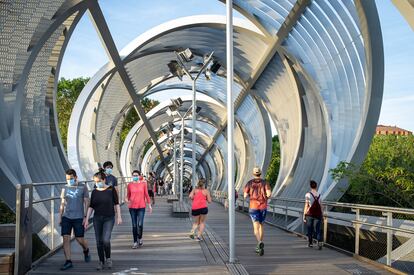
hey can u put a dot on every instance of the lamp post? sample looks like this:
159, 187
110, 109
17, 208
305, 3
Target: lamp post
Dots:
175, 166
171, 111
186, 56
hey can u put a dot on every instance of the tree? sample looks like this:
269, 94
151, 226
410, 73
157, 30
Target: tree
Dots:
273, 170
386, 177
68, 91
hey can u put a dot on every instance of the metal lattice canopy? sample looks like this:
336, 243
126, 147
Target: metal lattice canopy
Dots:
314, 69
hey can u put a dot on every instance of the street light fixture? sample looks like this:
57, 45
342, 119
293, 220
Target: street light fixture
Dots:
177, 68
172, 110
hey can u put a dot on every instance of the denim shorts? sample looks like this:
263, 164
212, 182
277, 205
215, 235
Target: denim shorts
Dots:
258, 215
76, 224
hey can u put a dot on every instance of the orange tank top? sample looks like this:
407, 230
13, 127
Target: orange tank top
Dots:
199, 201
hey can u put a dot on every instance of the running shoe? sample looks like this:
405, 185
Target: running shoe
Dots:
192, 236
108, 263
100, 266
310, 245
135, 245
67, 265
141, 242
261, 249
87, 256
320, 244
198, 239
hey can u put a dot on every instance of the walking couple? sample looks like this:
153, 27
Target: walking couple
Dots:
76, 209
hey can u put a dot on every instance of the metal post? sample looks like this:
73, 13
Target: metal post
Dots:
193, 136
52, 217
389, 237
357, 230
325, 225
230, 128
175, 167
17, 233
182, 159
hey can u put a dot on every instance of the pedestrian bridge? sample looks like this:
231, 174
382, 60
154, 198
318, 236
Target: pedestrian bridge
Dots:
168, 249
311, 69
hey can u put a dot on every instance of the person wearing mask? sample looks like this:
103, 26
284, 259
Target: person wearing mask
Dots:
105, 205
111, 180
150, 185
72, 213
137, 198
199, 210
258, 190
312, 216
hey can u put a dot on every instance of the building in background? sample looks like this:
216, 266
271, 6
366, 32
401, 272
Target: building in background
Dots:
392, 130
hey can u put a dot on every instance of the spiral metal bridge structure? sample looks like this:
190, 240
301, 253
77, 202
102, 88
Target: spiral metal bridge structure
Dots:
312, 69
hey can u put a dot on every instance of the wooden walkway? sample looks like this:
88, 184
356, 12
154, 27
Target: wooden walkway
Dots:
168, 250
285, 253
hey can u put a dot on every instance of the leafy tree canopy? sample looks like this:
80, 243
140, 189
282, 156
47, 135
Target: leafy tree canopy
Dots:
386, 177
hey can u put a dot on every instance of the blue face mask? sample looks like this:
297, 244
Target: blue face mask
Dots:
100, 184
108, 171
135, 178
71, 182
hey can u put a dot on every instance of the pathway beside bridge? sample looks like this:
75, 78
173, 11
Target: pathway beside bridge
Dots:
168, 249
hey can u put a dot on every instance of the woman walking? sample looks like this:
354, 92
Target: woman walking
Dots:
105, 205
137, 198
200, 196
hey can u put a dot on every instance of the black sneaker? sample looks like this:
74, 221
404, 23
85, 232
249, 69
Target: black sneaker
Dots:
68, 264
261, 249
87, 256
310, 245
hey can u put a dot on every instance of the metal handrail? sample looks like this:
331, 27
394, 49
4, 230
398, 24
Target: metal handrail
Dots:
355, 208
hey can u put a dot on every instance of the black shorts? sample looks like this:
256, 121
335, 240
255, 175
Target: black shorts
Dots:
151, 193
76, 224
198, 212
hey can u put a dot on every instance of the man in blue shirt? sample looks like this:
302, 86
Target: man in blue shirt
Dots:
72, 213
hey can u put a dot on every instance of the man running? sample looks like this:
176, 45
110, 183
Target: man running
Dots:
72, 213
258, 190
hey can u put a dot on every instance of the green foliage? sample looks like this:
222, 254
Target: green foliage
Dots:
132, 118
273, 170
68, 91
386, 177
6, 215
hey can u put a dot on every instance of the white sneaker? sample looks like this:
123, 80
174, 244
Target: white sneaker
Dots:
135, 245
141, 242
108, 263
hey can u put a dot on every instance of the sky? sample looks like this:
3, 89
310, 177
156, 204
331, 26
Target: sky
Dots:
127, 19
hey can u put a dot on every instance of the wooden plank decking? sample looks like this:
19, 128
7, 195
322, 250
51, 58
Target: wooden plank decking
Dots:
168, 249
285, 253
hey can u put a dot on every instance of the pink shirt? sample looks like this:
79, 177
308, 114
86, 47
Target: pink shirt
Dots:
137, 194
200, 200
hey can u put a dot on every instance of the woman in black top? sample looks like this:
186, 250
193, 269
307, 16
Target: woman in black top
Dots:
105, 203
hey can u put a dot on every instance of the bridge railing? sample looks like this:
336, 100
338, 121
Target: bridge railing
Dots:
379, 233
45, 200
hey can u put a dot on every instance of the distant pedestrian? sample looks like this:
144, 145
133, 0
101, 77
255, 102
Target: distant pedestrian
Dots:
105, 205
72, 213
137, 198
150, 184
258, 190
199, 210
111, 180
313, 215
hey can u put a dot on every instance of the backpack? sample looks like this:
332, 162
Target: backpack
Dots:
315, 210
258, 194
